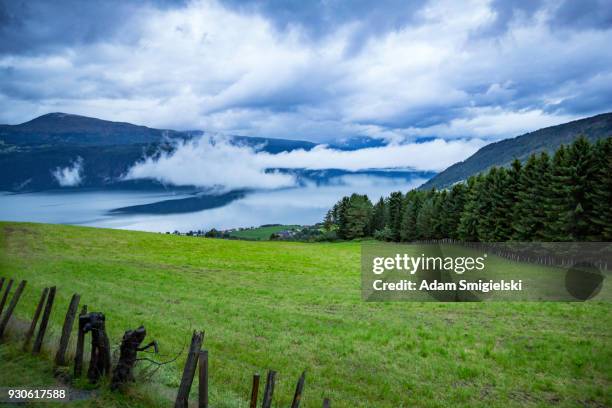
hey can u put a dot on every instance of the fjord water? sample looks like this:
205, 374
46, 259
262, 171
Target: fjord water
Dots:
306, 204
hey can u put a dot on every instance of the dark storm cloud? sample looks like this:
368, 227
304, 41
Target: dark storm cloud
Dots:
40, 26
323, 17
310, 69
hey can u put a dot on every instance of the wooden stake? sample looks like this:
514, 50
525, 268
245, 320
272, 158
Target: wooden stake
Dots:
182, 397
269, 390
44, 322
9, 311
60, 356
78, 357
254, 391
297, 397
30, 332
203, 384
5, 296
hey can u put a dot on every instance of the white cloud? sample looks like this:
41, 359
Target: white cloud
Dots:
210, 67
216, 163
69, 176
212, 163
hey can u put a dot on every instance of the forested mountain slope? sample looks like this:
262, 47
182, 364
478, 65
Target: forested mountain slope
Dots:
502, 153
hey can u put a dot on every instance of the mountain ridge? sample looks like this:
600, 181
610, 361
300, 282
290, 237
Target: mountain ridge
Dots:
503, 152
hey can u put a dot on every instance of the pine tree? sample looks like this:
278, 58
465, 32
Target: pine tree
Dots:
531, 216
409, 230
559, 204
358, 217
468, 225
453, 207
502, 204
425, 219
485, 225
378, 216
601, 194
342, 217
395, 204
581, 174
328, 223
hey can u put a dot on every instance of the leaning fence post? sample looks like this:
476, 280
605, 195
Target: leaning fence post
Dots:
44, 322
5, 296
203, 381
326, 403
30, 332
254, 391
269, 390
78, 357
60, 357
297, 397
182, 397
9, 311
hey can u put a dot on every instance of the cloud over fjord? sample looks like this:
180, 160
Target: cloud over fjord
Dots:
216, 163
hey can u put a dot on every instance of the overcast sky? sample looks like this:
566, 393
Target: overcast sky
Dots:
315, 70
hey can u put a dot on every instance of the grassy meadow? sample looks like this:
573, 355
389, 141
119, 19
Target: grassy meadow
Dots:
294, 306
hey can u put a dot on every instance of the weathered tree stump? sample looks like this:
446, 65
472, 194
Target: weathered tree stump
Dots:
100, 360
128, 355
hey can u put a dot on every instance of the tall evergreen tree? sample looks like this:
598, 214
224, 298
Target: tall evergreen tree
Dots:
559, 204
358, 217
531, 215
409, 231
378, 216
468, 225
581, 175
342, 218
396, 207
601, 194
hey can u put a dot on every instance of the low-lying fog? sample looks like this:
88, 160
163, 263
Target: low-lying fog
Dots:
298, 205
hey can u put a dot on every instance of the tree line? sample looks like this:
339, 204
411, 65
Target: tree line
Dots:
566, 197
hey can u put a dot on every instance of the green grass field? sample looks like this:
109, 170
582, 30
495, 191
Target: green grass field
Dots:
294, 306
261, 233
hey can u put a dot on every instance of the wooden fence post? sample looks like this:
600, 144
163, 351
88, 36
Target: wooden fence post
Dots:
78, 357
44, 322
254, 391
5, 296
182, 397
60, 357
9, 311
326, 403
30, 332
269, 390
297, 397
203, 382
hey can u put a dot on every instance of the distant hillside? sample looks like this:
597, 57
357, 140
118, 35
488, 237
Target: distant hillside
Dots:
31, 151
63, 128
504, 152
